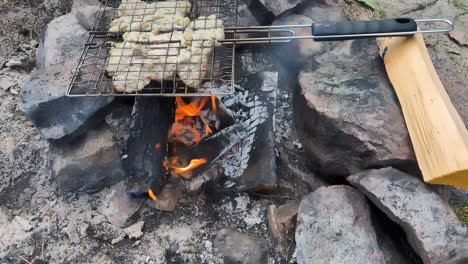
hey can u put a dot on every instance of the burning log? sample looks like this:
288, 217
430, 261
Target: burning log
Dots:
200, 156
147, 145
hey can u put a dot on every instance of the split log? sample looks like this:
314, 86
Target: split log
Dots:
147, 144
439, 136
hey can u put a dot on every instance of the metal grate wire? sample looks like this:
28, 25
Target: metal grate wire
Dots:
91, 78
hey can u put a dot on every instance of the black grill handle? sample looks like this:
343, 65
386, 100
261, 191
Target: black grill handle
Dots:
393, 25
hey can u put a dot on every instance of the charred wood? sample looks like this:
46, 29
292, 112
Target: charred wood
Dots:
147, 145
208, 149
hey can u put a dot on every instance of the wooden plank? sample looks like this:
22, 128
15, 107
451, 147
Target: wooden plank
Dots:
438, 134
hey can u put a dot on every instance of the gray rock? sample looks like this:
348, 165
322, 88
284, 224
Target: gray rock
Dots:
63, 42
235, 247
430, 225
59, 118
350, 118
88, 164
302, 50
334, 226
278, 7
86, 16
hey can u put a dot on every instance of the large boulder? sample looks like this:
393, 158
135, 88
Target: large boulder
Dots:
334, 226
88, 164
43, 96
431, 227
347, 114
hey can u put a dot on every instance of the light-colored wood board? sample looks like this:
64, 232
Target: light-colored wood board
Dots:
438, 134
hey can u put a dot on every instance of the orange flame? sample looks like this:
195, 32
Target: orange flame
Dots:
187, 128
152, 195
191, 109
208, 129
213, 103
193, 164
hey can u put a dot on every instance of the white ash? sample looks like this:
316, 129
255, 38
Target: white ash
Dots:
7, 82
207, 253
135, 231
250, 111
249, 215
270, 81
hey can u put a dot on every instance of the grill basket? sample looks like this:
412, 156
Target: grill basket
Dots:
90, 78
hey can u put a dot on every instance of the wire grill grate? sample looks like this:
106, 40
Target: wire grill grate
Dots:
92, 78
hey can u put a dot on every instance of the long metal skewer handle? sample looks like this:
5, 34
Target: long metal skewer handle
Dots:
349, 28
336, 31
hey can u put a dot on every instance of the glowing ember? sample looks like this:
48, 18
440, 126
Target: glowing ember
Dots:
193, 164
186, 133
152, 195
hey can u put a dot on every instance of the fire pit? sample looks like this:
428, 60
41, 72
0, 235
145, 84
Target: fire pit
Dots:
186, 136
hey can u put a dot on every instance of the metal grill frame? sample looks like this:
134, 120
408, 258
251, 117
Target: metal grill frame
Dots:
90, 77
